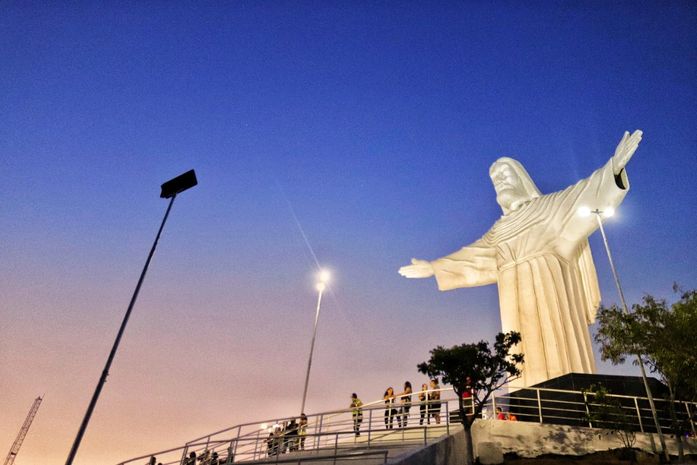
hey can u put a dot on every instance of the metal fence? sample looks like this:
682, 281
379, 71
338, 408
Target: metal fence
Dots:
330, 436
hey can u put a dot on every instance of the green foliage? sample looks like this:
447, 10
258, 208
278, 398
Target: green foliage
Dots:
487, 369
664, 336
605, 411
478, 368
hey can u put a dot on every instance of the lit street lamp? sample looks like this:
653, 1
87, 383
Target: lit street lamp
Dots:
323, 279
170, 189
599, 214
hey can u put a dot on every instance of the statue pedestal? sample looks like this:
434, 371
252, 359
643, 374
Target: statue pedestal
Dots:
561, 407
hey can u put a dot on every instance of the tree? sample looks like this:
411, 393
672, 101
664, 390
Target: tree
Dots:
605, 411
664, 336
475, 369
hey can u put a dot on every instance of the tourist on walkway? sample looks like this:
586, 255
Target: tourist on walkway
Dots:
423, 405
500, 414
468, 397
204, 457
356, 413
405, 399
302, 430
390, 411
191, 460
292, 435
270, 444
434, 401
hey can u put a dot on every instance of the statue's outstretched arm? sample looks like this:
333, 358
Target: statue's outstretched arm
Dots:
603, 190
417, 269
473, 265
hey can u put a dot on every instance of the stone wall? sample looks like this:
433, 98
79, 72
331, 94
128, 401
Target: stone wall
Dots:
494, 438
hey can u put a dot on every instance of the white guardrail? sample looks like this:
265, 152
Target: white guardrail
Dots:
331, 435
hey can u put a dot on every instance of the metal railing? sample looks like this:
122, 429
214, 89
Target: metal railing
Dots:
331, 435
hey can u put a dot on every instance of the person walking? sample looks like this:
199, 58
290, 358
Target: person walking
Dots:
405, 400
356, 413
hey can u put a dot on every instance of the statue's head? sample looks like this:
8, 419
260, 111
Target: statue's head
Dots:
512, 183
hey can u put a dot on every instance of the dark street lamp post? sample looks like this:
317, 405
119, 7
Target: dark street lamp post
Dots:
170, 189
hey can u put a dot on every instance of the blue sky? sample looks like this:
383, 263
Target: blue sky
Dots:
359, 133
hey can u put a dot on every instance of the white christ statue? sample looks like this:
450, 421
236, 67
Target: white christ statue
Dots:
539, 256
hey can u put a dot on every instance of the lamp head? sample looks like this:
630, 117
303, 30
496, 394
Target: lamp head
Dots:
179, 184
324, 276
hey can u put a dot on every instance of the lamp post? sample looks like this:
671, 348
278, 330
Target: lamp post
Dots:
608, 212
170, 189
323, 279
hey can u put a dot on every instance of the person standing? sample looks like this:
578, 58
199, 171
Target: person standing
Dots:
302, 430
405, 400
356, 413
390, 411
423, 405
468, 397
292, 435
434, 401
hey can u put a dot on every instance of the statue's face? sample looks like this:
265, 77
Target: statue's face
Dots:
508, 186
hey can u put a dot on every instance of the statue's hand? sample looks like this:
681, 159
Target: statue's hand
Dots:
417, 269
625, 149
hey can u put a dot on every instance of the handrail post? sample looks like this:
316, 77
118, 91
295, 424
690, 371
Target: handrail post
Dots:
237, 440
493, 406
184, 451
539, 405
370, 424
447, 417
231, 454
256, 445
638, 414
689, 415
336, 445
588, 411
318, 432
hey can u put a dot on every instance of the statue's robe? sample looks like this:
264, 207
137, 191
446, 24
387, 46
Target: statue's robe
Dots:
548, 288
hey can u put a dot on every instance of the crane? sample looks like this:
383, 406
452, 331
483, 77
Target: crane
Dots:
10, 459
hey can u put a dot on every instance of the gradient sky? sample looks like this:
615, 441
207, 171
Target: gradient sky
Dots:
359, 133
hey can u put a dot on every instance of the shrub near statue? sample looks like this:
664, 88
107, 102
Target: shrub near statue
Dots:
476, 370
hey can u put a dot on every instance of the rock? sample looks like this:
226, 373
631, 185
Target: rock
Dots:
490, 453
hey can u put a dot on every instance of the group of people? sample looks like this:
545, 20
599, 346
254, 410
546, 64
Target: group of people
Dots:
501, 415
288, 437
398, 406
429, 404
207, 458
